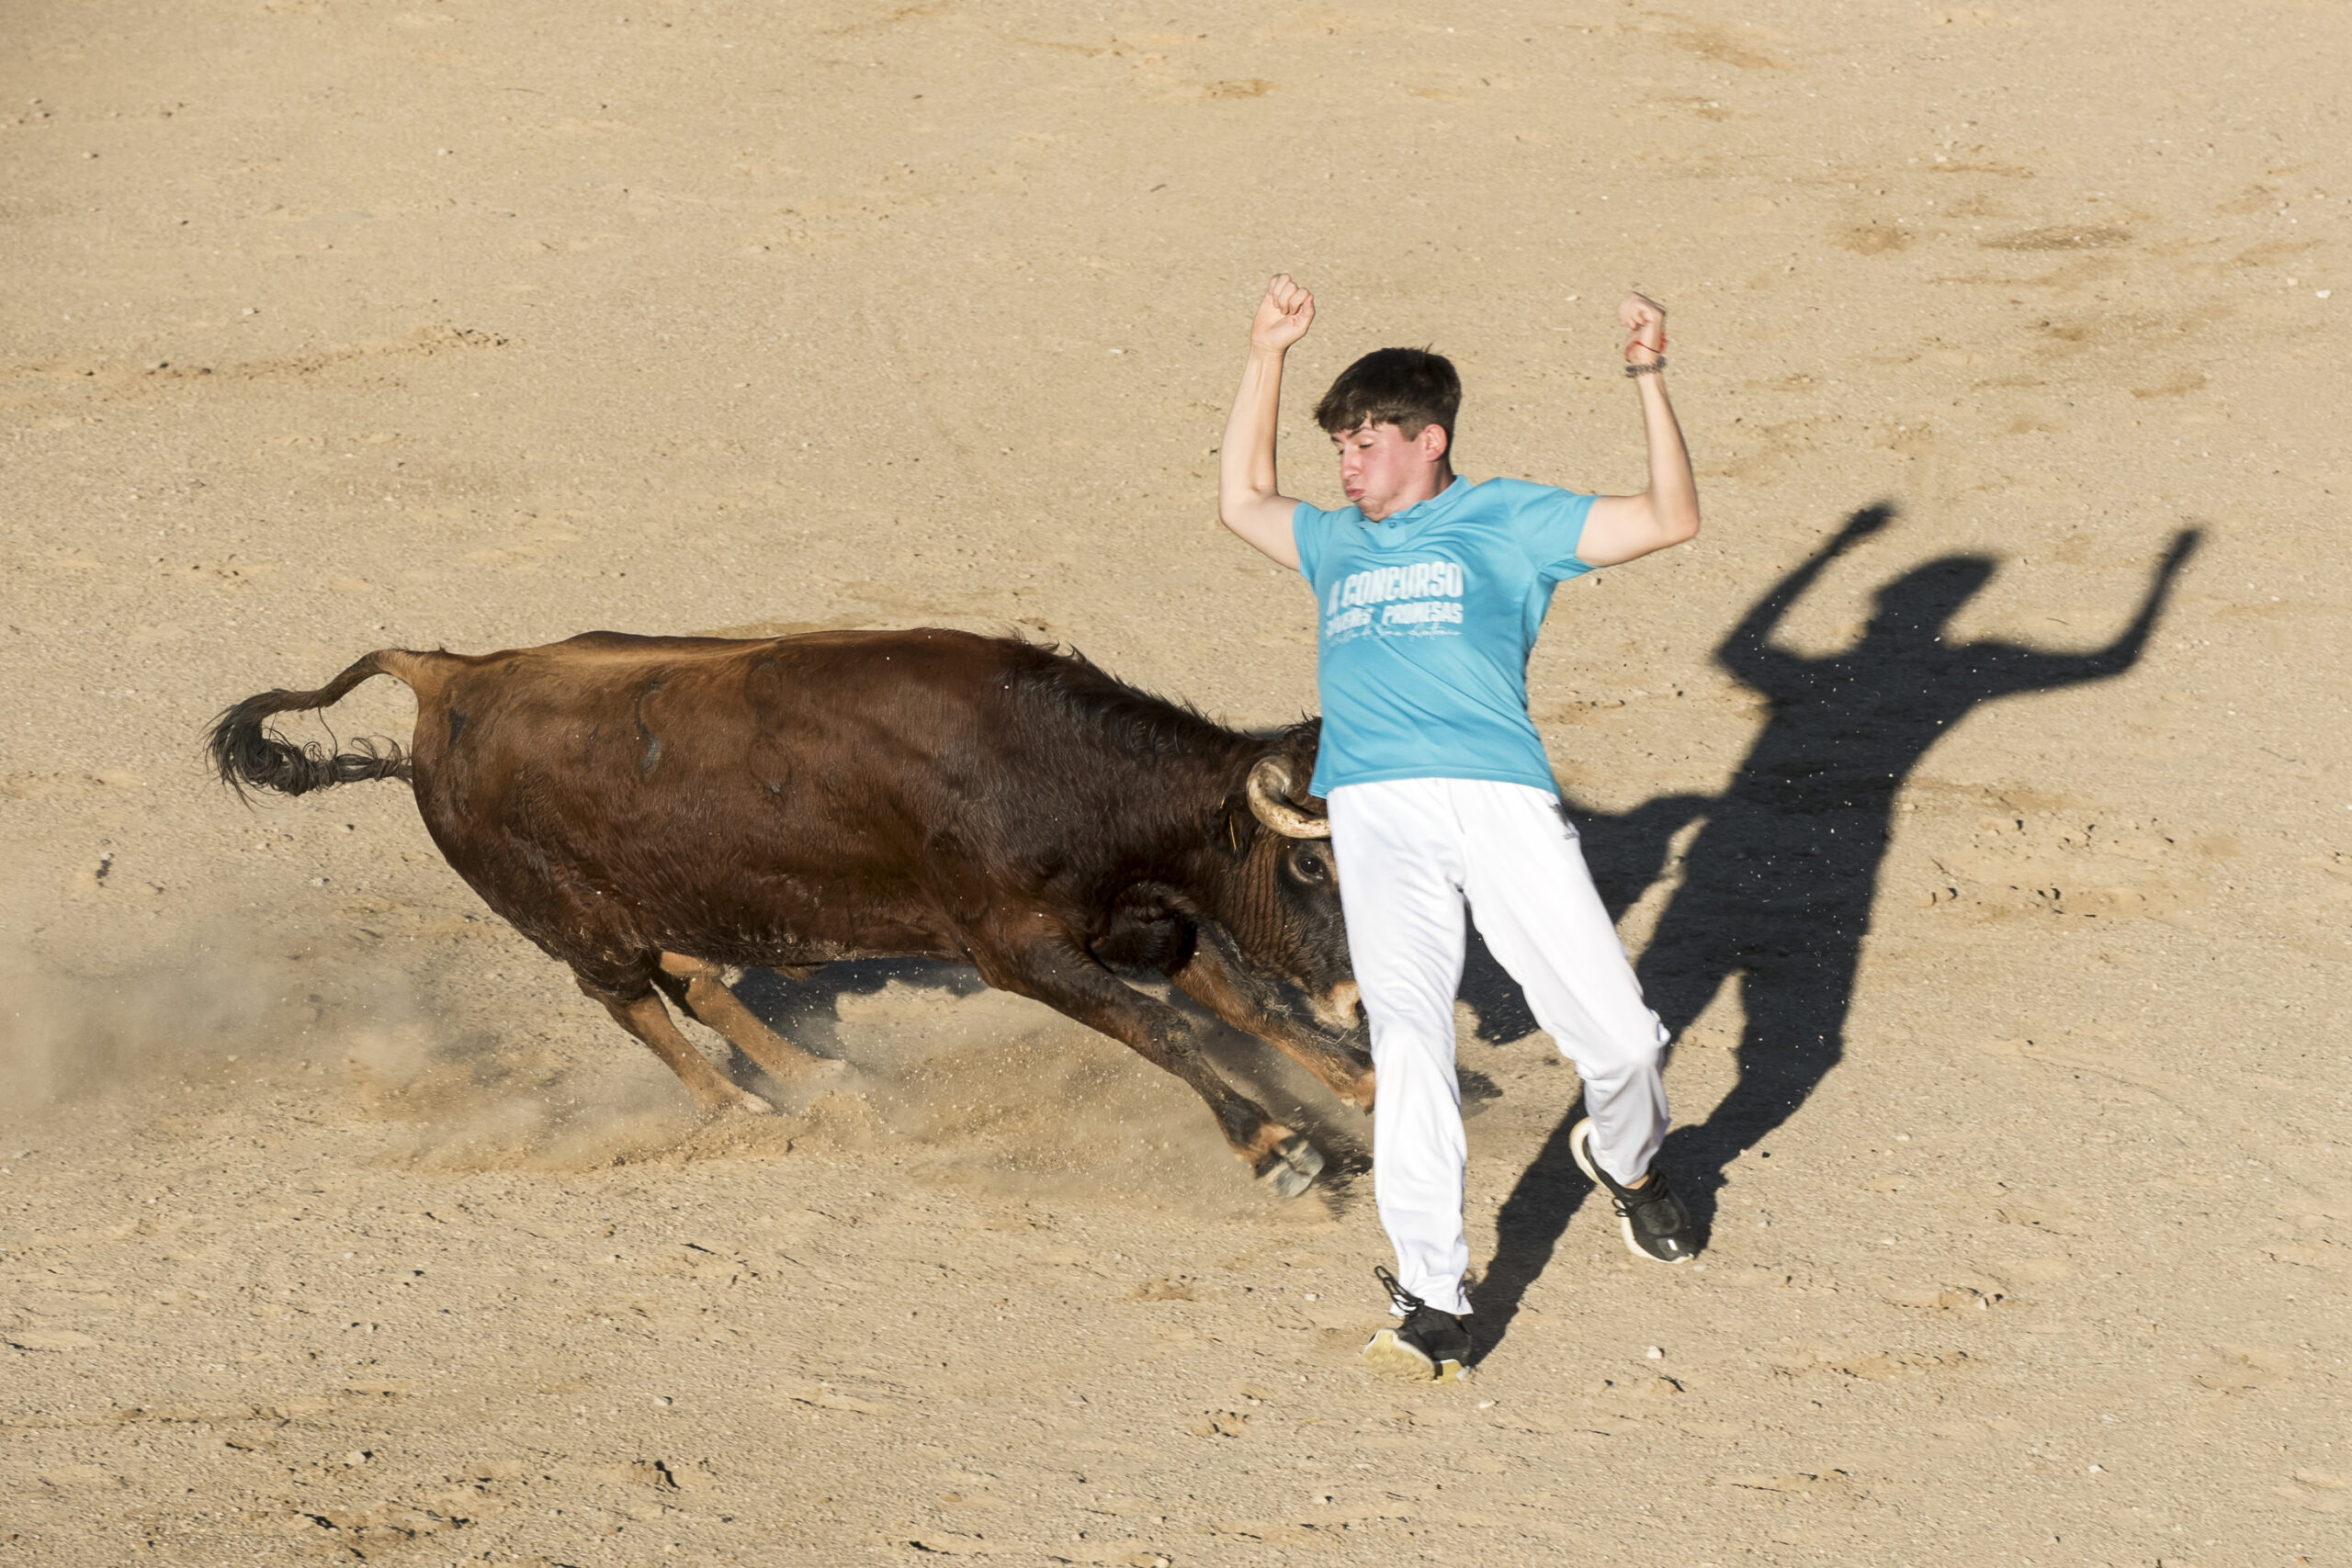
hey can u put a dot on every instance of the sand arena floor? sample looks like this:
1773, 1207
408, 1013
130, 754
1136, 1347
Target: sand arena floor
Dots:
334, 1222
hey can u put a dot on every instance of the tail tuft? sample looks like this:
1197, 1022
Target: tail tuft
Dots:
248, 751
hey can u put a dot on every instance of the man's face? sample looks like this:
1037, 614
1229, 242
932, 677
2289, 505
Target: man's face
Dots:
1383, 471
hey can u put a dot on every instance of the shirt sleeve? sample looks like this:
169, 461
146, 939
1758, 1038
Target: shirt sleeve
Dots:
1550, 523
1307, 536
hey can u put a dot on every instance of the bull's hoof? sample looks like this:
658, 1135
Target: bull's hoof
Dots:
744, 1101
1292, 1168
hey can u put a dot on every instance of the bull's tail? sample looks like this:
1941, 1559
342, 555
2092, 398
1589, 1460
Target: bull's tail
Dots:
247, 750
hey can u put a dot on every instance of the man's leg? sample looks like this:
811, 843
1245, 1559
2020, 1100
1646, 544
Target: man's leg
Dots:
1398, 845
1535, 905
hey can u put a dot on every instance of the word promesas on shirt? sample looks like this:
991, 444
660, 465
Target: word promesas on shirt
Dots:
1426, 595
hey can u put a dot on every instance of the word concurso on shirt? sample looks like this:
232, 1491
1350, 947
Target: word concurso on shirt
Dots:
1424, 596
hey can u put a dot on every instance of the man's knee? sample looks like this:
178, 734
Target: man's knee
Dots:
1398, 1041
1621, 1053
1410, 1008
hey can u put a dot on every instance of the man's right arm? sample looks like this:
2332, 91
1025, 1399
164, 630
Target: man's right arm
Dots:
1249, 498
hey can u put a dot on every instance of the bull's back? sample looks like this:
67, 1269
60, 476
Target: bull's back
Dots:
740, 792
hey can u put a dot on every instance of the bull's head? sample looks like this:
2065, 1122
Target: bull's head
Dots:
1287, 918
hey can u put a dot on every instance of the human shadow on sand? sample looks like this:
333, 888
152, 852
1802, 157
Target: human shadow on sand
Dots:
1780, 877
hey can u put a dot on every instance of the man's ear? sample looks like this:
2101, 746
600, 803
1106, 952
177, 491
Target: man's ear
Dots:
1434, 441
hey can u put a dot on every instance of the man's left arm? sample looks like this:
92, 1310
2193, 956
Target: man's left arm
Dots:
1626, 527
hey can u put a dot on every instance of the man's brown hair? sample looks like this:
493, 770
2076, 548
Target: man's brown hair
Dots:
1409, 388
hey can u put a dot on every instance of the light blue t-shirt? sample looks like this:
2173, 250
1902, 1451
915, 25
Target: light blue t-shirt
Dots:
1426, 619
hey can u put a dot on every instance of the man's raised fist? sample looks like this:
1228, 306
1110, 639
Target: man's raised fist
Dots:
1283, 315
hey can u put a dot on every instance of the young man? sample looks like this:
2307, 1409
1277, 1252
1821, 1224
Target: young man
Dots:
1430, 591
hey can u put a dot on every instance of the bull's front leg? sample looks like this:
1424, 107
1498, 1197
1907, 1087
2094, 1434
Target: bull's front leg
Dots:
1071, 982
1215, 975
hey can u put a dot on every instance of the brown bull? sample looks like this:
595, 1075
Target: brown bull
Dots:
650, 810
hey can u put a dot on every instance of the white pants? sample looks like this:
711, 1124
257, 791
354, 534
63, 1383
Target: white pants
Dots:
1410, 853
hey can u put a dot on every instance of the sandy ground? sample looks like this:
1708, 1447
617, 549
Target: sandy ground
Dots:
334, 1222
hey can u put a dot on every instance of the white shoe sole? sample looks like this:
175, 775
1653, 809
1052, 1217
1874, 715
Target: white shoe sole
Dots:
1581, 1146
1386, 1353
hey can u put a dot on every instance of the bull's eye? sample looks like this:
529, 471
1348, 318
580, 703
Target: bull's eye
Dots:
1309, 864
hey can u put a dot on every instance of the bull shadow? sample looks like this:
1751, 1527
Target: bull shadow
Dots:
1780, 876
808, 1013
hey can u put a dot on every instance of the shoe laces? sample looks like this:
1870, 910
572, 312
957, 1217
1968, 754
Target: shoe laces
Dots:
1629, 1199
1407, 1302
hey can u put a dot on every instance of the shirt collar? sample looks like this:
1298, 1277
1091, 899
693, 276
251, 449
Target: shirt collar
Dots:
1422, 510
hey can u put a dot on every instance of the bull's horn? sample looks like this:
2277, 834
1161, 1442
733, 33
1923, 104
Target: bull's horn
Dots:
1269, 801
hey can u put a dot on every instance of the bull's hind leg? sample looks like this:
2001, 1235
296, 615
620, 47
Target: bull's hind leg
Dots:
697, 986
1074, 984
645, 1018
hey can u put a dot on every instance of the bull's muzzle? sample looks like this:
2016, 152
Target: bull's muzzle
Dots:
1339, 1008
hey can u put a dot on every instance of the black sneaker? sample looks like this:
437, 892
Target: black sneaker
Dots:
1651, 1216
1428, 1344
